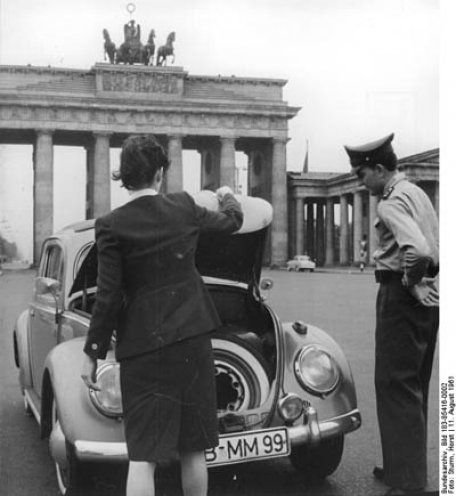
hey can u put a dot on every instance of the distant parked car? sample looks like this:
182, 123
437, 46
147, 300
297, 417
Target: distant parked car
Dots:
283, 388
301, 263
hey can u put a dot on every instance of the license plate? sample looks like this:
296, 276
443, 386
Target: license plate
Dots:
247, 446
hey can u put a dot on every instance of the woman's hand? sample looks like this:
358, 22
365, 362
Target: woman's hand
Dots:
89, 372
222, 191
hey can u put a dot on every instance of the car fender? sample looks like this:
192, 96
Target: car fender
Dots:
21, 349
79, 419
343, 398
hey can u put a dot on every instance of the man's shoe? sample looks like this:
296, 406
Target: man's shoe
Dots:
379, 473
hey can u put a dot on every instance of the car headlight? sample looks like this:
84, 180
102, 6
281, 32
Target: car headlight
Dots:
108, 400
316, 370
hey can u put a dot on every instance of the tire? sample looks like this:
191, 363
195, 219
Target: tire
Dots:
318, 462
241, 375
69, 477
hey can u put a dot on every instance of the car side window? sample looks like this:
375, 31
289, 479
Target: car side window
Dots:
53, 263
80, 258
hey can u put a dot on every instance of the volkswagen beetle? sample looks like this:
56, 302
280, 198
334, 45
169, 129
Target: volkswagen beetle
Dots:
283, 388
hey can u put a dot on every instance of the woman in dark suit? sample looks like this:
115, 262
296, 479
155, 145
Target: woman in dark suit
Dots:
149, 290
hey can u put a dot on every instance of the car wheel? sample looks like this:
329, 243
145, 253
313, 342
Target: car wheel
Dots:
241, 375
318, 462
71, 475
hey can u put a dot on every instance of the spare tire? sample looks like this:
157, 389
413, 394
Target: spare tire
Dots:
241, 375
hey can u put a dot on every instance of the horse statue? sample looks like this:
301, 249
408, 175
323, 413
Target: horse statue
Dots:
109, 47
166, 50
131, 51
149, 49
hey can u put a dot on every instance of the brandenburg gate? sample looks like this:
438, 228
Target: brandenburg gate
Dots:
98, 108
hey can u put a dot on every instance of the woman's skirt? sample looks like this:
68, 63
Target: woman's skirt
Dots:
169, 400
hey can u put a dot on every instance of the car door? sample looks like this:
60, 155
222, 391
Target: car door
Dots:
43, 326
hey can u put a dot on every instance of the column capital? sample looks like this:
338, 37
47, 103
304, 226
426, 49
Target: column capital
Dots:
227, 139
176, 136
280, 140
102, 134
44, 132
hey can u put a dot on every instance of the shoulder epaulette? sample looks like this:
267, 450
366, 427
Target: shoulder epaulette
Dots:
388, 193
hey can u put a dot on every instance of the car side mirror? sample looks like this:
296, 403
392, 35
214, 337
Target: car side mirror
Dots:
46, 285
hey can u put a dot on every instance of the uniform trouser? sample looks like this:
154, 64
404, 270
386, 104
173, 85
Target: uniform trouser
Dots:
405, 341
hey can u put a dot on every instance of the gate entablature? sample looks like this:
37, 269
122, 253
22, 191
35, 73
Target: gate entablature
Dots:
142, 99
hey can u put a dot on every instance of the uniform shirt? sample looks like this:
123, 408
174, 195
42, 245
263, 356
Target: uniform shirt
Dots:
407, 230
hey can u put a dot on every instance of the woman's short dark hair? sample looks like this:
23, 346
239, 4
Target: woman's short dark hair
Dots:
140, 159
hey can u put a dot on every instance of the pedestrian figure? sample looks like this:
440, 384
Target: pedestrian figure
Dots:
362, 253
149, 290
407, 262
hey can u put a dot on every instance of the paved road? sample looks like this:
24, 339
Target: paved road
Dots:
341, 303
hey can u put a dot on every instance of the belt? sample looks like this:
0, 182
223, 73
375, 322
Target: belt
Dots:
384, 276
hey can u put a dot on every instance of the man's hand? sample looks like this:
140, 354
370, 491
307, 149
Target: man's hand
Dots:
89, 372
222, 191
425, 292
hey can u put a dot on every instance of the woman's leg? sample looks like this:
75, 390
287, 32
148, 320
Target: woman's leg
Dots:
193, 473
140, 480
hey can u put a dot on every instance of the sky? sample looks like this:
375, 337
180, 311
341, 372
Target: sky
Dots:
359, 69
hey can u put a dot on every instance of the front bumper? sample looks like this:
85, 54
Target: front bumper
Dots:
311, 432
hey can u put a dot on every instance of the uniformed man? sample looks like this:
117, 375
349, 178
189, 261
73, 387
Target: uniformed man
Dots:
407, 262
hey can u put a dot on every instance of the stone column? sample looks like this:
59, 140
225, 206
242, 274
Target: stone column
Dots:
98, 189
344, 230
437, 197
299, 205
90, 181
227, 162
357, 223
373, 201
310, 230
174, 175
43, 191
329, 232
209, 169
279, 249
258, 181
320, 251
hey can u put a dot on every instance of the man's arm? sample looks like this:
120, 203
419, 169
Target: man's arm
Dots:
415, 250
